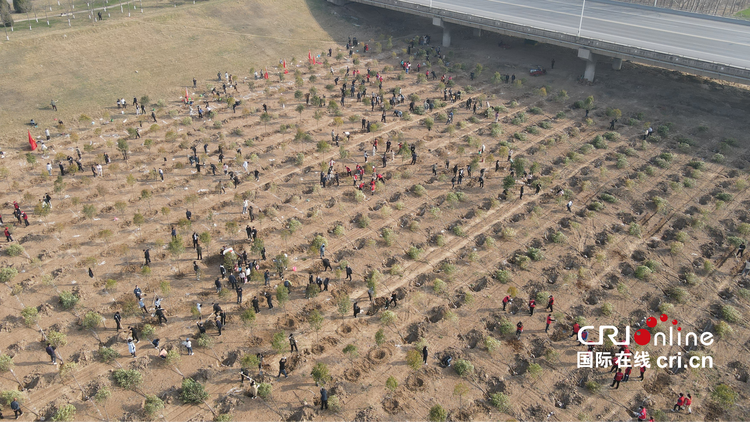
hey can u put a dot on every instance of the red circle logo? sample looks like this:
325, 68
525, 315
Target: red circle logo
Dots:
663, 317
651, 322
642, 337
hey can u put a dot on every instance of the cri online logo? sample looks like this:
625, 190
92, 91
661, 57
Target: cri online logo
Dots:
642, 337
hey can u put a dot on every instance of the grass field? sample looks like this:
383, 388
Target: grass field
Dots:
87, 67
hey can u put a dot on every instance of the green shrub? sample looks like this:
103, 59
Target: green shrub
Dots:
535, 370
414, 252
723, 196
722, 329
593, 387
192, 392
438, 414
677, 294
418, 190
92, 320
108, 354
127, 378
634, 229
724, 396
558, 237
596, 206
152, 405
607, 309
264, 390
500, 401
64, 413
730, 314
535, 254
29, 315
320, 373
14, 250
642, 272
68, 299
463, 367
7, 274
503, 276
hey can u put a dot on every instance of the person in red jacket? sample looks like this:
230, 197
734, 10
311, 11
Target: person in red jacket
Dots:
576, 328
688, 402
532, 305
642, 414
550, 304
549, 321
618, 378
506, 301
680, 403
643, 372
627, 373
519, 330
8, 237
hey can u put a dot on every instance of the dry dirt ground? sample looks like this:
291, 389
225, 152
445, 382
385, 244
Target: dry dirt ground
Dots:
671, 203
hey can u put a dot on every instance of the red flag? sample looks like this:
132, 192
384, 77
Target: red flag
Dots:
32, 142
285, 71
266, 74
309, 56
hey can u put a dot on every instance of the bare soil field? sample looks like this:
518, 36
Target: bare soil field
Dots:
653, 229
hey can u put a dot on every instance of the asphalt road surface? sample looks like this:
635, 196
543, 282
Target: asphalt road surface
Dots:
686, 36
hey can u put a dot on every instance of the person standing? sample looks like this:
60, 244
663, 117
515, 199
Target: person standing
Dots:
549, 321
688, 403
532, 305
424, 355
323, 398
348, 272
147, 256
618, 378
256, 304
199, 251
16, 407
506, 300
356, 309
49, 169
188, 345
131, 347
239, 295
118, 320
219, 325
269, 300
51, 352
519, 330
292, 343
550, 304
53, 103
134, 334
8, 236
282, 368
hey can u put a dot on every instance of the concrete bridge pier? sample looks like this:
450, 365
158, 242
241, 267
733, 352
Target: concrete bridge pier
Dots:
616, 64
590, 59
446, 31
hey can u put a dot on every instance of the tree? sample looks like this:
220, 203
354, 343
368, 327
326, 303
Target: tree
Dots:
391, 383
344, 304
351, 351
414, 359
278, 342
89, 211
265, 118
300, 108
315, 319
380, 337
282, 295
509, 182
138, 219
22, 6
320, 373
123, 147
5, 17
460, 390
176, 247
64, 413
